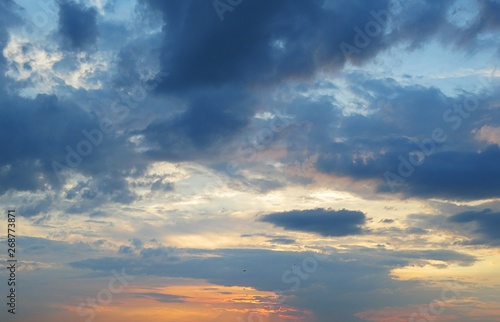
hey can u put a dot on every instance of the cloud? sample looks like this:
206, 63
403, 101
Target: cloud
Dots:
162, 298
224, 79
34, 133
99, 214
489, 134
341, 285
137, 243
421, 20
325, 222
168, 254
283, 241
215, 66
487, 225
486, 21
447, 256
8, 17
260, 41
214, 98
125, 250
457, 175
401, 123
212, 118
78, 26
42, 137
35, 208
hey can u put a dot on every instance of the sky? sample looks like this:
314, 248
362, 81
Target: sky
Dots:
251, 160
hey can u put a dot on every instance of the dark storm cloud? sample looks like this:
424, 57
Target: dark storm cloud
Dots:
408, 121
78, 26
487, 225
260, 41
268, 43
212, 64
458, 175
214, 68
212, 117
35, 133
420, 20
325, 222
134, 56
487, 20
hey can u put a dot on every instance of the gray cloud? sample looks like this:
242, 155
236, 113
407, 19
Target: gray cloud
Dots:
325, 222
402, 123
487, 225
77, 26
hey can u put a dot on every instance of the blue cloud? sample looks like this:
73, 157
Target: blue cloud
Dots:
325, 222
487, 225
78, 26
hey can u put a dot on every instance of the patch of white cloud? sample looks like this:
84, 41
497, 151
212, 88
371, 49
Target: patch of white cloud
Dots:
28, 61
33, 65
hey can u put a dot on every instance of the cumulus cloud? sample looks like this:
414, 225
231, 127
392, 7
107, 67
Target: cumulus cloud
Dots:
325, 222
400, 143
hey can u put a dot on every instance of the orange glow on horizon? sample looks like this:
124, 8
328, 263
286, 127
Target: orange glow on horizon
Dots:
206, 302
